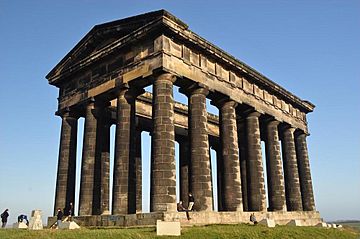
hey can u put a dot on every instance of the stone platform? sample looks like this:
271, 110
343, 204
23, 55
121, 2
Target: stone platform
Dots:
310, 218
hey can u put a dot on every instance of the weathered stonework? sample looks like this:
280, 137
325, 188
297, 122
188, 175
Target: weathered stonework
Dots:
163, 182
102, 79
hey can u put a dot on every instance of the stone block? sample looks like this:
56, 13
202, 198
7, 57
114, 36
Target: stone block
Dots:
321, 224
295, 222
35, 220
68, 225
267, 222
168, 228
20, 225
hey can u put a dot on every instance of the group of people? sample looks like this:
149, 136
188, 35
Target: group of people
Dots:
182, 208
5, 215
68, 213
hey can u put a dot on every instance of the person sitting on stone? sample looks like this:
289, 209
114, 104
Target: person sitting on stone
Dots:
253, 218
23, 217
181, 208
191, 201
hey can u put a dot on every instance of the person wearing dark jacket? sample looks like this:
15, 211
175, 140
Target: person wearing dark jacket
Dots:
4, 217
59, 216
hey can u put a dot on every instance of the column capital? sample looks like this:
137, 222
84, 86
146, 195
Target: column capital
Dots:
130, 93
273, 122
67, 113
224, 102
299, 132
253, 114
287, 127
165, 76
194, 89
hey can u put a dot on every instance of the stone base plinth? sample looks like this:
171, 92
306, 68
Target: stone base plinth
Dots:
197, 218
168, 228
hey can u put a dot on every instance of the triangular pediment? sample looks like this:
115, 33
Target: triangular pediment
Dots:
104, 34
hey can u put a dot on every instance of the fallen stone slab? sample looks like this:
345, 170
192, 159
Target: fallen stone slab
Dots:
295, 222
268, 222
68, 225
321, 224
20, 225
168, 228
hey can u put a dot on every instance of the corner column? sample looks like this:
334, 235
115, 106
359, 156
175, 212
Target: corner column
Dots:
304, 172
124, 183
65, 181
163, 169
230, 155
88, 162
275, 179
291, 173
255, 170
200, 184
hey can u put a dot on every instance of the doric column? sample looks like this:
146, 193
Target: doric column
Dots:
102, 161
138, 171
200, 184
255, 172
105, 170
291, 173
124, 183
184, 171
304, 172
163, 169
242, 137
275, 178
65, 181
88, 162
230, 156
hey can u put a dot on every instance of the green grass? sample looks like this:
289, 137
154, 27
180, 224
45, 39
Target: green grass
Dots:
213, 231
355, 225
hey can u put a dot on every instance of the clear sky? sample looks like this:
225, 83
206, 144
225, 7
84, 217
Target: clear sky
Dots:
311, 48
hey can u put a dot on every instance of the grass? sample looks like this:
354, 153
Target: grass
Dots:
213, 231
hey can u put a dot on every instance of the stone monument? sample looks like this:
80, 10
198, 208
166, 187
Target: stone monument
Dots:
102, 80
35, 222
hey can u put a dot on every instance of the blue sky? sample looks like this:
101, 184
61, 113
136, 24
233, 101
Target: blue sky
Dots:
311, 48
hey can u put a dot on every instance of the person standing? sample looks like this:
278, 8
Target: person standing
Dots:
59, 216
191, 201
4, 217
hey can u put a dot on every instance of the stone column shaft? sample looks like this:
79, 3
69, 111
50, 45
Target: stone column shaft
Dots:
88, 162
138, 162
65, 181
275, 178
199, 151
255, 176
304, 173
124, 183
230, 155
184, 172
291, 173
105, 170
163, 169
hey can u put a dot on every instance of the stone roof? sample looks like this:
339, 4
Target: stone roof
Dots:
105, 38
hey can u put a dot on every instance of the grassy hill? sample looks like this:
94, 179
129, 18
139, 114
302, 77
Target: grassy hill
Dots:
213, 231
